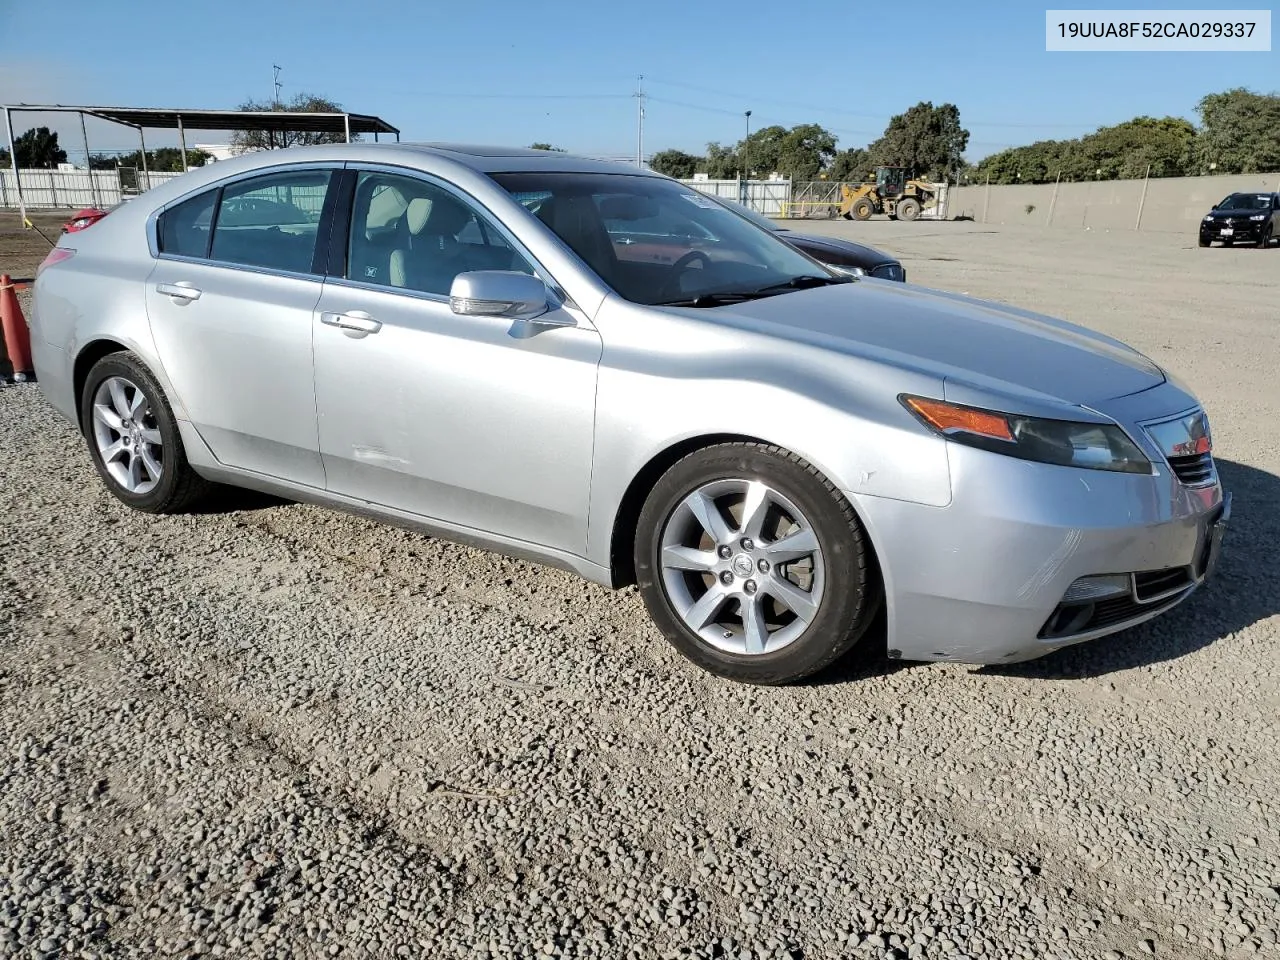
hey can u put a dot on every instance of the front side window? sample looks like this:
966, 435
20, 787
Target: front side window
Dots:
655, 241
271, 221
410, 234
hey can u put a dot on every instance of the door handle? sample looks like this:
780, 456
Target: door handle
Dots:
355, 320
179, 291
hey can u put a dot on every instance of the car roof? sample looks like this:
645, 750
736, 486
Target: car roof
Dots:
479, 157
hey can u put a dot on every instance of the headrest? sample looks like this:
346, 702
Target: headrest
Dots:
416, 214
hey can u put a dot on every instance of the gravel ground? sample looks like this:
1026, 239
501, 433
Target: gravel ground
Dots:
269, 730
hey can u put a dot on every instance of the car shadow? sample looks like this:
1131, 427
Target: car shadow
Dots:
1244, 590
223, 499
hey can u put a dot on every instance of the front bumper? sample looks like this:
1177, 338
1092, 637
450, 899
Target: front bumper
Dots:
979, 580
1248, 231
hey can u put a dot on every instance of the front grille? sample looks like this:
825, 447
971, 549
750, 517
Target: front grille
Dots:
1070, 620
1194, 469
1158, 583
889, 271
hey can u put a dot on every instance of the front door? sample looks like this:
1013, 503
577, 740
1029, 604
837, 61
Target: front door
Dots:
232, 315
474, 421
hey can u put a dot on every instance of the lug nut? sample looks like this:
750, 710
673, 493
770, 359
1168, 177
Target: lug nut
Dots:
763, 566
749, 586
726, 578
747, 544
725, 553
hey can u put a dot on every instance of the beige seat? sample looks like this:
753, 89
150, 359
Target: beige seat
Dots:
431, 255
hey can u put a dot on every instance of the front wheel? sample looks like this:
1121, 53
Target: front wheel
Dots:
1264, 240
753, 565
133, 437
862, 209
1203, 242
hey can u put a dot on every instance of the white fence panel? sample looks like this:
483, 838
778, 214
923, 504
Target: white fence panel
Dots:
769, 197
70, 188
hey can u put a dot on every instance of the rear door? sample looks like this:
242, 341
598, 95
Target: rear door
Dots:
231, 301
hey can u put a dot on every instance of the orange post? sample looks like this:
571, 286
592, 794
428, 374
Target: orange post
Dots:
17, 338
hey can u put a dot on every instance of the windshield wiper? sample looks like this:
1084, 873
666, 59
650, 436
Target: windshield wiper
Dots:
803, 282
718, 299
723, 297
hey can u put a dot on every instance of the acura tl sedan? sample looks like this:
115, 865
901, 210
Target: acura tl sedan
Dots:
448, 337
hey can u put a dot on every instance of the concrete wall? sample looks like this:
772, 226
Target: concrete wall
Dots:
1172, 205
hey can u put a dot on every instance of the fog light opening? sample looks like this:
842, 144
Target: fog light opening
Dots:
1089, 589
1068, 619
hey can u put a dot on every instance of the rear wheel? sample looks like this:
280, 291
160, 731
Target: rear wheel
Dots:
908, 208
133, 437
862, 209
753, 565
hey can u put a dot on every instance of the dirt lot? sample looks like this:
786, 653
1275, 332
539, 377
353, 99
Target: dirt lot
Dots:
270, 730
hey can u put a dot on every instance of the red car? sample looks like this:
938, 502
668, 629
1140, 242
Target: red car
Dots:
83, 219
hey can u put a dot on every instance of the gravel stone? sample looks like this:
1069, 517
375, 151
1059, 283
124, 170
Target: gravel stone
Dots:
270, 730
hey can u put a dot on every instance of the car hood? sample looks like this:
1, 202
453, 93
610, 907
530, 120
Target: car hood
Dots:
959, 338
1235, 212
858, 251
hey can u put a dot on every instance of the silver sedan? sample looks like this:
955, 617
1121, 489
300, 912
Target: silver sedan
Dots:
598, 368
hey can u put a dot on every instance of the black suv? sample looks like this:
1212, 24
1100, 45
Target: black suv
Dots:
1243, 218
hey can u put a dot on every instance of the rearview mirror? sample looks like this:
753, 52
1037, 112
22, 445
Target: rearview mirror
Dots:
499, 293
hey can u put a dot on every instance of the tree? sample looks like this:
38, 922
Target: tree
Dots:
675, 163
245, 140
721, 162
805, 151
160, 160
927, 140
38, 148
852, 165
545, 146
1240, 132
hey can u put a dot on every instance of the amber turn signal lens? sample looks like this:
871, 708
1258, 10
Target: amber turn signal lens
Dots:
947, 417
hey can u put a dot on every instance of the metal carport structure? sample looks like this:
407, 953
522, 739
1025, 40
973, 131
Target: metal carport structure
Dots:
160, 118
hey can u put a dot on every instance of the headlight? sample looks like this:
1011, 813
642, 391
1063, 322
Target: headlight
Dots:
847, 271
1258, 216
1067, 443
1208, 218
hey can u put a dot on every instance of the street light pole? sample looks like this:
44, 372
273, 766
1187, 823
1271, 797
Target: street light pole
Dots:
746, 164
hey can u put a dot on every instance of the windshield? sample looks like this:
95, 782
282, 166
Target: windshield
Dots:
656, 241
1246, 201
759, 219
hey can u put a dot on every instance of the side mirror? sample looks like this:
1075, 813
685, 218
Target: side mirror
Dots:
499, 293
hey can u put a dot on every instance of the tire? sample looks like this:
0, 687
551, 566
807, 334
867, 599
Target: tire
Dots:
134, 441
681, 569
1264, 240
908, 208
862, 209
1203, 242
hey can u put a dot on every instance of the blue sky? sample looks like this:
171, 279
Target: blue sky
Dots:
512, 72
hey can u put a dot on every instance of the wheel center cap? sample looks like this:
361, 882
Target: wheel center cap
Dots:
743, 565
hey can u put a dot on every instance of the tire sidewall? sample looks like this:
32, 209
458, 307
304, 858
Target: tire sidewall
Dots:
850, 594
130, 368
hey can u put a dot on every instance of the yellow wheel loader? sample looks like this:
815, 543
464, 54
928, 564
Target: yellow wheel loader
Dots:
891, 192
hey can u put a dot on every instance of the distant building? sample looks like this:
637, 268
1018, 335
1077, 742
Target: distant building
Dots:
220, 151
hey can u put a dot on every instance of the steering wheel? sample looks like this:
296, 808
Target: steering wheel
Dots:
679, 267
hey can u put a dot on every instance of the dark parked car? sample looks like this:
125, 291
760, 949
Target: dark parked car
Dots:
843, 256
1243, 218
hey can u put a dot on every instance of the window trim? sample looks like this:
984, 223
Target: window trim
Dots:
323, 229
353, 171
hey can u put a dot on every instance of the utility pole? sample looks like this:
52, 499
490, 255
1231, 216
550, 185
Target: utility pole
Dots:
275, 99
746, 164
640, 121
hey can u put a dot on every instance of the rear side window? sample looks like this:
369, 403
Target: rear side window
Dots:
184, 229
271, 221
